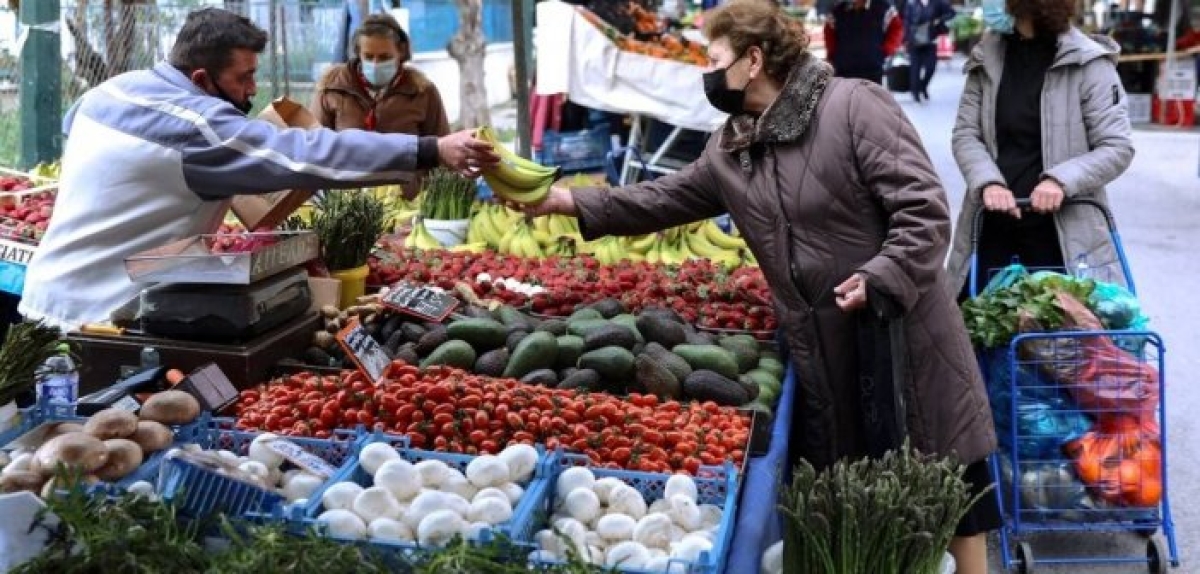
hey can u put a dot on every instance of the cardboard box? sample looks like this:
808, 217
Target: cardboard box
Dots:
269, 210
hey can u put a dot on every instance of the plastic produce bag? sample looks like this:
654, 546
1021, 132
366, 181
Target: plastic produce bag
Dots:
1045, 416
1048, 486
1099, 375
1121, 459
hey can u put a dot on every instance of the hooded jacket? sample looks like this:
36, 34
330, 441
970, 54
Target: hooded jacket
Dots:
1085, 145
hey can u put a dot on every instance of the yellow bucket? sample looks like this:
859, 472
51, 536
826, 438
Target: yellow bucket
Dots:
354, 284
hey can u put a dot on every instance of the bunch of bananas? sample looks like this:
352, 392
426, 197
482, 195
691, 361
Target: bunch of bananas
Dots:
520, 241
420, 238
515, 178
489, 224
610, 250
398, 210
701, 240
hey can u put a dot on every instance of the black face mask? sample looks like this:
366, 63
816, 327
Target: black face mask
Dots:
243, 107
720, 95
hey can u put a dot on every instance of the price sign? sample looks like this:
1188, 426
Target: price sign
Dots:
420, 301
296, 455
370, 357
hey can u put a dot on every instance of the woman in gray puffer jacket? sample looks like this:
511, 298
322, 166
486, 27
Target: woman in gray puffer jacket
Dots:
1043, 117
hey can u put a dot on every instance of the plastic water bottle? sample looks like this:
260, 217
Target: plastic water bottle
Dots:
149, 358
1082, 270
58, 379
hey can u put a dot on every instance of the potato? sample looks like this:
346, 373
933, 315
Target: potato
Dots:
111, 423
74, 449
22, 480
171, 408
124, 456
152, 436
63, 428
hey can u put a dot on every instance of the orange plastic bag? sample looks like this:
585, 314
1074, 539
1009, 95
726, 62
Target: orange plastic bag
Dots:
1121, 461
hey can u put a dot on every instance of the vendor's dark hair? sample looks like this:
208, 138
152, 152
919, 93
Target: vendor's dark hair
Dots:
208, 38
1049, 17
380, 26
761, 23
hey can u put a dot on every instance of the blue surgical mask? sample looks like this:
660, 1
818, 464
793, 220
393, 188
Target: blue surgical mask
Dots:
379, 74
996, 17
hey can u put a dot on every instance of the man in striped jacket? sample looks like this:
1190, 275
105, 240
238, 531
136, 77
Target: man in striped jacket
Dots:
153, 156
860, 35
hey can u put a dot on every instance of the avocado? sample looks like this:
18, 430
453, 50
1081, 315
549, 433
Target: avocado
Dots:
615, 364
705, 385
584, 313
652, 377
432, 339
700, 338
745, 352
394, 341
570, 348
541, 378
663, 313
513, 339
492, 363
407, 353
629, 322
563, 374
749, 385
610, 335
412, 331
772, 365
510, 316
608, 308
582, 327
538, 350
315, 356
556, 327
391, 326
709, 357
581, 379
657, 329
454, 353
475, 312
674, 363
482, 334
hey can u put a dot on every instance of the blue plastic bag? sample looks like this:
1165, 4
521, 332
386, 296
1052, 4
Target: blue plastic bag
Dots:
1046, 416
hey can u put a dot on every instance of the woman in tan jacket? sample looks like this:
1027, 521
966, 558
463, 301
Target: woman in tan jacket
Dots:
829, 184
376, 91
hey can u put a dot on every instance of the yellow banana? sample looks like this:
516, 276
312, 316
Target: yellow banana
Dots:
720, 238
477, 247
505, 244
699, 244
516, 178
542, 237
642, 243
654, 254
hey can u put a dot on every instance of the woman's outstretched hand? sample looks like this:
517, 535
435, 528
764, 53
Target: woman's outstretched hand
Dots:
559, 200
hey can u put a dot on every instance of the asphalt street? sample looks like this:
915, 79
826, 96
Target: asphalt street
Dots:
1157, 207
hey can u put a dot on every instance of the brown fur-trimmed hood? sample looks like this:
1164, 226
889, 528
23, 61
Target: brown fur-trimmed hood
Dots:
788, 117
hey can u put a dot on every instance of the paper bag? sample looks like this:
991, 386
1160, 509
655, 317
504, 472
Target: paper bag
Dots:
270, 209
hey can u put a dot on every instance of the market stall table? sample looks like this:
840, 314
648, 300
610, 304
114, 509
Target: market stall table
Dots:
758, 522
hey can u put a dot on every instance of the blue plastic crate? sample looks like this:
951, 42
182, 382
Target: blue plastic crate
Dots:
197, 491
716, 485
518, 529
35, 416
575, 151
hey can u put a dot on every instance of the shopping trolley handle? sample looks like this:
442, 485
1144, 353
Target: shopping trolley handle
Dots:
1026, 204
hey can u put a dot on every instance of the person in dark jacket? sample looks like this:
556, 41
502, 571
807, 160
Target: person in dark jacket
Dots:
924, 21
860, 35
828, 183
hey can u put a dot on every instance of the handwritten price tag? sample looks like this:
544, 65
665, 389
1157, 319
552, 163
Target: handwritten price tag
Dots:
420, 301
368, 354
296, 455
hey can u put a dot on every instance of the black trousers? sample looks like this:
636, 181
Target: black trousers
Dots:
922, 64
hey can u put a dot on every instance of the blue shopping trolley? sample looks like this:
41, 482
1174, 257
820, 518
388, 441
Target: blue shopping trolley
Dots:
1085, 445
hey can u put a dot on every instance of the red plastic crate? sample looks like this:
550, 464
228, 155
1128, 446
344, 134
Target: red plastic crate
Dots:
1175, 113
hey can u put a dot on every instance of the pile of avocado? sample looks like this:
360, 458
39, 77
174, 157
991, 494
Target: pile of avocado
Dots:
600, 348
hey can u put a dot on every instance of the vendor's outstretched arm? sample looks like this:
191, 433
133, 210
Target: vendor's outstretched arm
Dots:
230, 154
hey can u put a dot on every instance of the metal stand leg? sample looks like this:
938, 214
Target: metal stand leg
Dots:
635, 141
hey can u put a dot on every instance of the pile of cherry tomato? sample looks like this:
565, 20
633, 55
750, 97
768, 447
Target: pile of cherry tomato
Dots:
451, 410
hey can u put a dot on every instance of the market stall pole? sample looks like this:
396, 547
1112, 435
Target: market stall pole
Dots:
522, 15
41, 83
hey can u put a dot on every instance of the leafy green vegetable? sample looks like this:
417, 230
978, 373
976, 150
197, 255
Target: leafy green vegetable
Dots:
26, 346
892, 515
992, 319
132, 534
